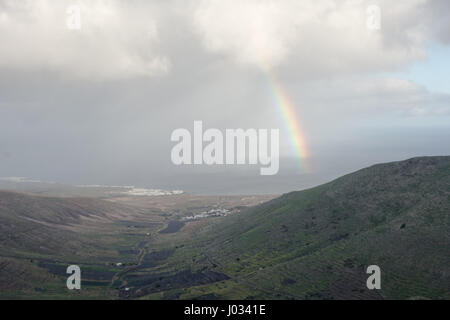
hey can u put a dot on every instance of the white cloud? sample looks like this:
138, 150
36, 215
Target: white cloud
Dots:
253, 31
122, 39
115, 40
329, 35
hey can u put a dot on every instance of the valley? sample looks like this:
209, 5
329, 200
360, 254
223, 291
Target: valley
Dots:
109, 239
311, 244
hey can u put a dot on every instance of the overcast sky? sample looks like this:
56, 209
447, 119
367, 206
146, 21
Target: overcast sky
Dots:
97, 105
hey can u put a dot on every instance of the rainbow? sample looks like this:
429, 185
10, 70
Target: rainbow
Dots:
288, 113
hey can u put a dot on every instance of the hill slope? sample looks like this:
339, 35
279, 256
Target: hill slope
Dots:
52, 226
318, 243
41, 236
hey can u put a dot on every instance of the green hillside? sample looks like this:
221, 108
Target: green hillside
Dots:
317, 243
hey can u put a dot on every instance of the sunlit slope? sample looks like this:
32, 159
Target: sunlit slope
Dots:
318, 243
